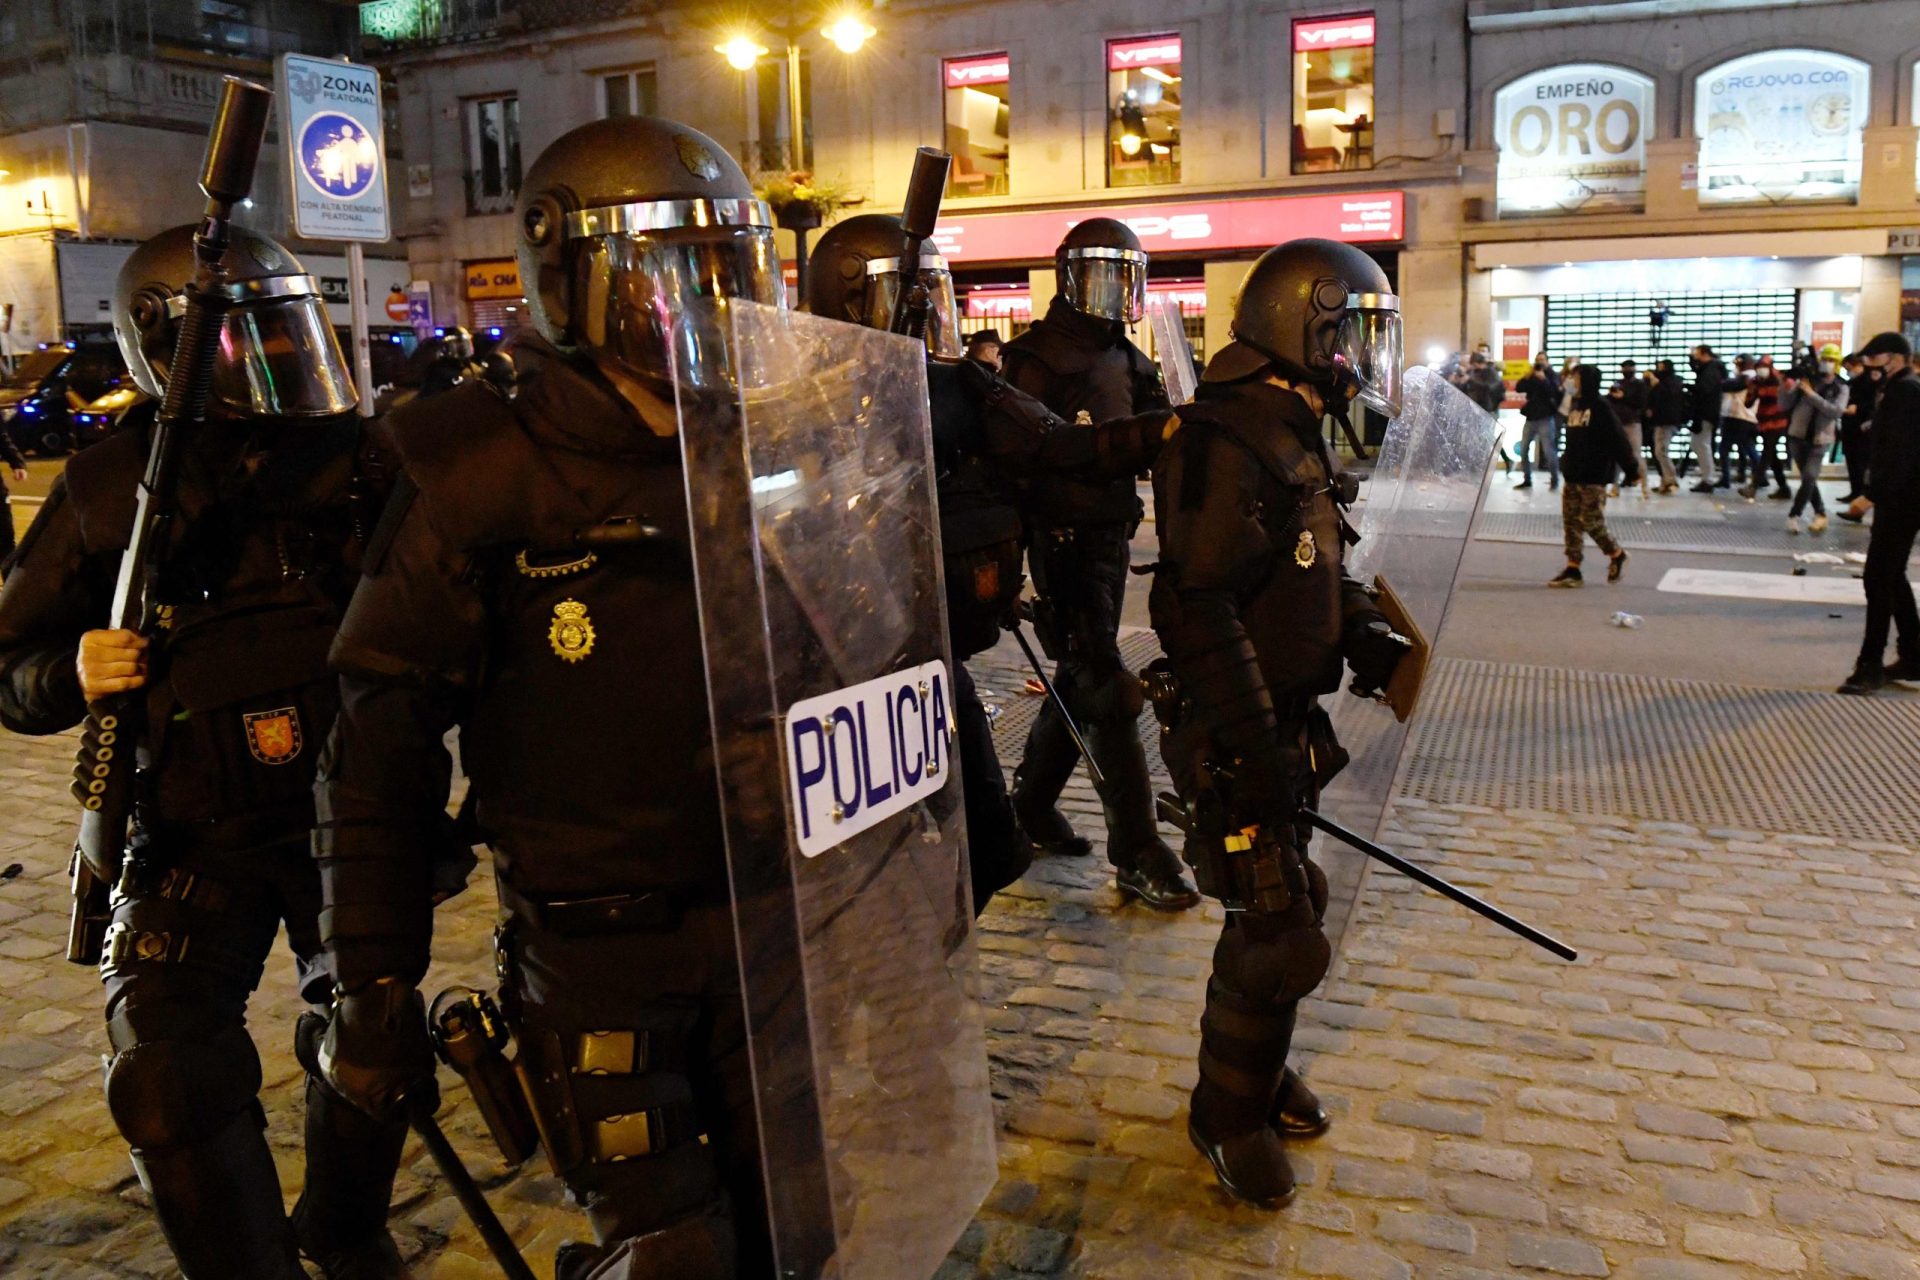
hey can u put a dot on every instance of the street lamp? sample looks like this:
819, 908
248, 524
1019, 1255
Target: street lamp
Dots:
848, 32
741, 52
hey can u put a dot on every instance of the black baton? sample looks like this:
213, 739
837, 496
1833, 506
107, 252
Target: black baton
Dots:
1438, 885
1066, 718
421, 1102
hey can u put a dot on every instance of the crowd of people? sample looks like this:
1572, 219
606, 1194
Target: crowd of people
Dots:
1746, 424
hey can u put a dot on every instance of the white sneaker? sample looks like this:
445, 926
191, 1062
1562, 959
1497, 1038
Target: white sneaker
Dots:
1793, 524
1819, 524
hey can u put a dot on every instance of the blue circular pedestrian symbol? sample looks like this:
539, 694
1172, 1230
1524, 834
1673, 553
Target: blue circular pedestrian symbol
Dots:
338, 155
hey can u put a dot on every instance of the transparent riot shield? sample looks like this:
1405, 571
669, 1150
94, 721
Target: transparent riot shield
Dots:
816, 552
1171, 349
1417, 514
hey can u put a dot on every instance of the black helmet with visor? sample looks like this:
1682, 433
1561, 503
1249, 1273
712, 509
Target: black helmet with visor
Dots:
634, 234
1100, 269
855, 276
1318, 312
279, 356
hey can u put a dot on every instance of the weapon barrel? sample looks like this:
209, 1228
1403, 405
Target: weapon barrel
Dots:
233, 147
924, 190
1440, 886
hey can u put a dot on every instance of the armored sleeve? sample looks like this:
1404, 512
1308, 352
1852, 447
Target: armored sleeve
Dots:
1025, 437
406, 654
10, 452
1213, 545
54, 593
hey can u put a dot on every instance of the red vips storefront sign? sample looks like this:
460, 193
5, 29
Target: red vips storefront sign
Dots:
1362, 217
1352, 32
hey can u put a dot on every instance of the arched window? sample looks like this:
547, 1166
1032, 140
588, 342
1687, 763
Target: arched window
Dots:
1573, 138
1779, 126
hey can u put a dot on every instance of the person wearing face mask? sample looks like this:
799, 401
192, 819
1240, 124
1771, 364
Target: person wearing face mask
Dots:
1543, 391
1738, 432
1815, 406
1667, 414
1595, 447
1629, 404
1260, 619
1893, 495
279, 493
1770, 427
1856, 437
1709, 385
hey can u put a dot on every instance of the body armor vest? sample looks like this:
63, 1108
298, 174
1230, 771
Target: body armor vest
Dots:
262, 567
979, 523
588, 740
1292, 599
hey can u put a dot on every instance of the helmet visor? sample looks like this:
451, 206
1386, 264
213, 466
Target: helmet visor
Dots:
1110, 283
1369, 345
943, 313
636, 292
281, 359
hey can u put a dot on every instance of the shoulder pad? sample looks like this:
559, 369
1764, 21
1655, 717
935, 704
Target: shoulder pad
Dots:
104, 482
1051, 347
476, 472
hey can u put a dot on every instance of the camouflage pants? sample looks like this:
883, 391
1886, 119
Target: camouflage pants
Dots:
1583, 514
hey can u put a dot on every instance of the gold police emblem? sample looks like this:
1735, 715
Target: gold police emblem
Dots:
274, 737
1304, 552
571, 633
695, 156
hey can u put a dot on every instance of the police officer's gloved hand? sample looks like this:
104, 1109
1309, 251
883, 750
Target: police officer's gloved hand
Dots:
375, 1048
1373, 650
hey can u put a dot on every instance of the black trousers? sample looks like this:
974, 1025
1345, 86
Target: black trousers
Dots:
1082, 575
694, 1210
997, 853
1890, 604
1856, 446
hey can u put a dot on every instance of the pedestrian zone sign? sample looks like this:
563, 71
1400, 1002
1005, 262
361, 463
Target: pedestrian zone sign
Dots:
334, 142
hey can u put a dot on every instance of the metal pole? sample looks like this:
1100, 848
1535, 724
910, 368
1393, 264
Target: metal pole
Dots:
420, 1111
1066, 717
795, 127
1440, 886
357, 306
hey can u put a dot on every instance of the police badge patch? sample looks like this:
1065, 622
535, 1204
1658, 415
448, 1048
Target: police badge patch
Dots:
571, 632
274, 737
1304, 551
699, 161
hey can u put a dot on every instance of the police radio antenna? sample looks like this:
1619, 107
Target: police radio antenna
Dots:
917, 219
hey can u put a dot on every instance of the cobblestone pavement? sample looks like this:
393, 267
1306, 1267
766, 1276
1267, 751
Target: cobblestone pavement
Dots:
1726, 1085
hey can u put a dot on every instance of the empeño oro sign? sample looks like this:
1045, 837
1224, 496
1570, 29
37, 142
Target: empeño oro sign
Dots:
1573, 137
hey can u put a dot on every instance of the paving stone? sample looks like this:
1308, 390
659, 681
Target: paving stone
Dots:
1768, 1252
1659, 1117
1349, 1260
1561, 1256
1492, 1199
1429, 1230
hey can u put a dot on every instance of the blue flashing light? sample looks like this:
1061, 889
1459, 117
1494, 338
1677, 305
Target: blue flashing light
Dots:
30, 408
439, 333
494, 332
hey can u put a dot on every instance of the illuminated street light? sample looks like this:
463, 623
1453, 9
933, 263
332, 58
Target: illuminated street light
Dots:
741, 52
847, 33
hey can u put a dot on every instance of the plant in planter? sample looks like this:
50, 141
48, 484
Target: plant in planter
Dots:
800, 203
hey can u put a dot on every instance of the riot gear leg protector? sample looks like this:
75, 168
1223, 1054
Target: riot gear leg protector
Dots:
341, 1217
218, 1202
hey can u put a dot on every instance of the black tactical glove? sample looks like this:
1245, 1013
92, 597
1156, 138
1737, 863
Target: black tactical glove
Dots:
1374, 649
375, 1048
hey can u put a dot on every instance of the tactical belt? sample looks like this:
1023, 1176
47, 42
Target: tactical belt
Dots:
126, 946
612, 1139
656, 911
142, 881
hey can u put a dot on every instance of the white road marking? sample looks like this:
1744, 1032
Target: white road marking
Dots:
1764, 586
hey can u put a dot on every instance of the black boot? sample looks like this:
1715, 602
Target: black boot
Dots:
1047, 763
341, 1218
1145, 867
1296, 1111
1868, 678
1904, 667
218, 1202
1243, 1050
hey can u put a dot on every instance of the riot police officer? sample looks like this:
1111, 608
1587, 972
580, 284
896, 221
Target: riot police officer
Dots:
1078, 361
452, 364
991, 443
533, 584
278, 493
1257, 615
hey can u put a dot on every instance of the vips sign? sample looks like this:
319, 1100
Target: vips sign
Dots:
1572, 137
331, 126
859, 756
1362, 217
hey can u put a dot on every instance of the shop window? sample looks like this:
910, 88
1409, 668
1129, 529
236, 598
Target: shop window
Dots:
1573, 138
1143, 111
1333, 94
493, 154
629, 93
976, 118
1780, 126
769, 145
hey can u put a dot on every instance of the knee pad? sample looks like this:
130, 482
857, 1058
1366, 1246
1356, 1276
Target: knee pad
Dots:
165, 1093
1274, 959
